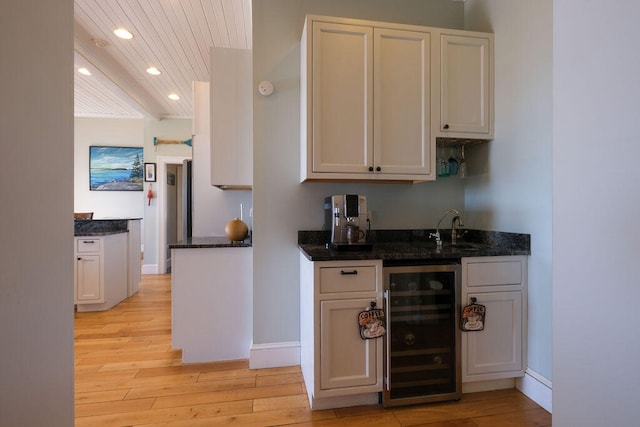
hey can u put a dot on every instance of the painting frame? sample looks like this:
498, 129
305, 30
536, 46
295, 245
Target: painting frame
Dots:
116, 168
149, 172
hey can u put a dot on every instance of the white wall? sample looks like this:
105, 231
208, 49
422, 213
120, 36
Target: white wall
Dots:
110, 132
509, 187
282, 205
36, 231
596, 197
125, 204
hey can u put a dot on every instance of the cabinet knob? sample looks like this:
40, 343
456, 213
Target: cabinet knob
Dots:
79, 259
445, 127
370, 168
378, 169
348, 272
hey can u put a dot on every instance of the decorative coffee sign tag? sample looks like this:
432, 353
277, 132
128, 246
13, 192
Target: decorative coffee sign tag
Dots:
473, 317
371, 322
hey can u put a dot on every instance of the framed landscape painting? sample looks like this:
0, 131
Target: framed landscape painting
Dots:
115, 168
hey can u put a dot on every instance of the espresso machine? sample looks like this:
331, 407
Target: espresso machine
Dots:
345, 216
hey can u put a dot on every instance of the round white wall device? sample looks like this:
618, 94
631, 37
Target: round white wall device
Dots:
265, 88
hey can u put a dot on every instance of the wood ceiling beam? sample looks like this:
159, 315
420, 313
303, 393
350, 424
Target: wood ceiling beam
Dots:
131, 91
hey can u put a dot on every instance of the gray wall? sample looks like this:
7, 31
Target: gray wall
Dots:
510, 188
36, 231
282, 205
596, 206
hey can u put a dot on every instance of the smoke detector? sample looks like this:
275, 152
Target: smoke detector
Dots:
99, 42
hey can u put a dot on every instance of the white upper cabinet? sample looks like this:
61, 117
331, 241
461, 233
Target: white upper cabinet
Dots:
341, 98
466, 85
375, 95
365, 112
402, 100
231, 118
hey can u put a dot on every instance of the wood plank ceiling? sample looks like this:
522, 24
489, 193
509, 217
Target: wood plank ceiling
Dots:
172, 35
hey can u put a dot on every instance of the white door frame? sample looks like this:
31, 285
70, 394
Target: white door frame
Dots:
161, 191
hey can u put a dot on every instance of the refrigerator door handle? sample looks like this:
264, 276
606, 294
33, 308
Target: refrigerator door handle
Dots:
387, 309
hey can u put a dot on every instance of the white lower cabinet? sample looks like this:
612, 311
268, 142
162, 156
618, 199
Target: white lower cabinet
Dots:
346, 360
101, 271
498, 351
340, 368
89, 286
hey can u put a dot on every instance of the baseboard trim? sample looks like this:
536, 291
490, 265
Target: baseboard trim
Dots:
537, 388
319, 404
274, 355
150, 269
488, 385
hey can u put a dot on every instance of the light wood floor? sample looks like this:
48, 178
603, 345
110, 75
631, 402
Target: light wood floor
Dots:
126, 374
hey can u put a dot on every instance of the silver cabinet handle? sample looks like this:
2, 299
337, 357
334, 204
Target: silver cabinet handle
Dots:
387, 308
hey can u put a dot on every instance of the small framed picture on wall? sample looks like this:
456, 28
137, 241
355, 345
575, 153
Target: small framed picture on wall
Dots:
150, 172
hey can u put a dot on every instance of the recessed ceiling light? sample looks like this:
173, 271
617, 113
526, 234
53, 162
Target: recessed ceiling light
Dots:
174, 97
123, 33
153, 70
84, 71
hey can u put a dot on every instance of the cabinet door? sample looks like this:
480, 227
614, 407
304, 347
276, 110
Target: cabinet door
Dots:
342, 98
466, 96
346, 360
89, 279
231, 115
402, 81
497, 348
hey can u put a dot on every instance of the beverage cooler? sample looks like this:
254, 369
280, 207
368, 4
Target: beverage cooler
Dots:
422, 345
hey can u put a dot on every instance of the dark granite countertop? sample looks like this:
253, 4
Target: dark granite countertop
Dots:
99, 227
410, 245
210, 242
99, 233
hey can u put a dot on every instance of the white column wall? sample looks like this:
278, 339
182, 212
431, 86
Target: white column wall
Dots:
36, 231
596, 206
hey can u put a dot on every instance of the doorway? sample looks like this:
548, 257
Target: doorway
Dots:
169, 207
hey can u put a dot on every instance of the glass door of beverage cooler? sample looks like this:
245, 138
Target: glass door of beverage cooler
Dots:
422, 351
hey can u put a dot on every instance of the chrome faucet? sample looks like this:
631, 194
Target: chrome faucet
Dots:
436, 235
454, 232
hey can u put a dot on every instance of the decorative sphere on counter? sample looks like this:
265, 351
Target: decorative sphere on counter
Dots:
236, 230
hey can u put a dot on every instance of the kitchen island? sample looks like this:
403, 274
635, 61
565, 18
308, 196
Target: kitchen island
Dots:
211, 299
107, 266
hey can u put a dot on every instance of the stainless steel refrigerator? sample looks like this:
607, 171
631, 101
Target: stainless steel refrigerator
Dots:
187, 199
